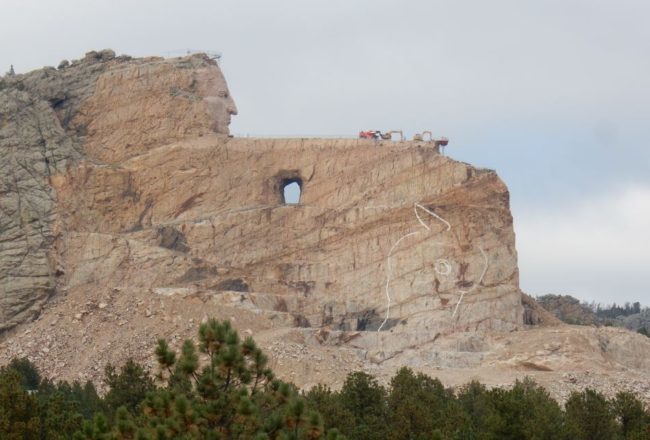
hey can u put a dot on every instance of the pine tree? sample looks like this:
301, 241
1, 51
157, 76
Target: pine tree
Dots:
589, 416
365, 400
477, 404
18, 409
329, 403
416, 405
234, 395
630, 414
526, 412
128, 388
30, 377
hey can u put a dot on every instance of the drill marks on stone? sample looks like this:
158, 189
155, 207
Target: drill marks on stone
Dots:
416, 206
480, 280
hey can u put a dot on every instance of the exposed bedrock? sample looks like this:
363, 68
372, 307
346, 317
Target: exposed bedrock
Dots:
389, 236
51, 119
119, 174
127, 213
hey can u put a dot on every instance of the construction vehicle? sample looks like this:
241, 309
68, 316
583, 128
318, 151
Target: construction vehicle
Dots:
420, 137
370, 134
376, 134
389, 135
443, 141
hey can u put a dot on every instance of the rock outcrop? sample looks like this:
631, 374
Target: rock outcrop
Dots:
48, 119
378, 226
129, 155
127, 205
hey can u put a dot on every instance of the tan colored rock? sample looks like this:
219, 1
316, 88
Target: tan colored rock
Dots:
294, 259
390, 235
396, 255
135, 107
45, 117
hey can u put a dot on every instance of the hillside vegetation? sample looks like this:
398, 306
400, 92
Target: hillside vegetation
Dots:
572, 311
222, 388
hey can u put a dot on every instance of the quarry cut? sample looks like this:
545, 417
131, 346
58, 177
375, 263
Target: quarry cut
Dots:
128, 212
152, 194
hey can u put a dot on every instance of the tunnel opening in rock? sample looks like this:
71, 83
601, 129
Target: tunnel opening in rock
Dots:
291, 191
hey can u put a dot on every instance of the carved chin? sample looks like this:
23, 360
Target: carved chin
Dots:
221, 124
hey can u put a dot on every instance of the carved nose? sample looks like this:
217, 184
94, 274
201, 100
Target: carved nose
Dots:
231, 108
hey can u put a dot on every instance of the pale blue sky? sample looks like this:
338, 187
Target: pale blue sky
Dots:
552, 94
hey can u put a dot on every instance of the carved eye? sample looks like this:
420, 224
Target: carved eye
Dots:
222, 94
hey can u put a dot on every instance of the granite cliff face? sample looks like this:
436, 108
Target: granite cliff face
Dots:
390, 235
48, 122
127, 205
378, 226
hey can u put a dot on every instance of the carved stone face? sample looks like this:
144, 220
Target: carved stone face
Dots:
214, 90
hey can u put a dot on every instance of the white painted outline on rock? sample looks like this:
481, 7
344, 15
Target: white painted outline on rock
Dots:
442, 261
433, 214
442, 266
388, 268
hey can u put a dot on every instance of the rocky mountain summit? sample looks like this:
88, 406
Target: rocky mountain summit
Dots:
129, 213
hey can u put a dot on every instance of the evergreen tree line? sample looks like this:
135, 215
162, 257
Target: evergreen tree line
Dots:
222, 388
614, 311
610, 313
418, 407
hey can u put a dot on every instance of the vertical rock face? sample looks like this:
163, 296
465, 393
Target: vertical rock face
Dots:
136, 107
390, 237
46, 117
34, 146
121, 177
